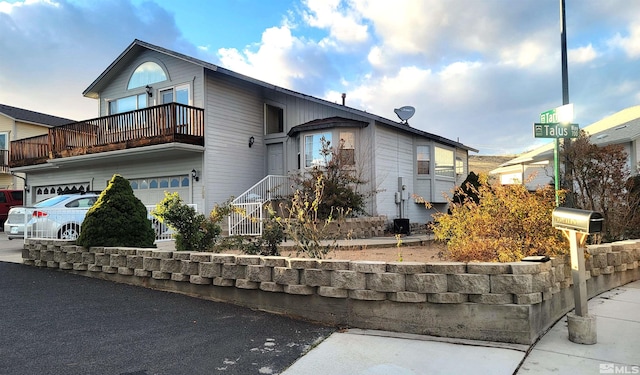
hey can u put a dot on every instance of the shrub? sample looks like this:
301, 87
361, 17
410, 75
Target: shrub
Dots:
601, 183
341, 182
194, 232
267, 244
507, 224
305, 226
118, 218
468, 189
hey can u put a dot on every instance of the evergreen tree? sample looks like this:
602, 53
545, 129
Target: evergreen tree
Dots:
118, 218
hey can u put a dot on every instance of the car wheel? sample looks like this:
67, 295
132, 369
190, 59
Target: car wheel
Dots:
69, 232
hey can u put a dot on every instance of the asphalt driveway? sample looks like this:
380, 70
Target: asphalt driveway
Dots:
58, 323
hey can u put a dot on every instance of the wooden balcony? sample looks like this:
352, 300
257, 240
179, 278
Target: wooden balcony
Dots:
4, 161
161, 124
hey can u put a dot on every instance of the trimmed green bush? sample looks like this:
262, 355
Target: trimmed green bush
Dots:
118, 218
194, 232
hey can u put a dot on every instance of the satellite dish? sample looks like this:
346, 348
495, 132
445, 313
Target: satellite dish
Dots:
405, 113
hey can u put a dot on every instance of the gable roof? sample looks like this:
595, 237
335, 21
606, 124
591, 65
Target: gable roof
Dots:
137, 45
32, 117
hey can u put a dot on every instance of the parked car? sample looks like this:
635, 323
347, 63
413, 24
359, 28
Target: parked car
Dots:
9, 199
56, 217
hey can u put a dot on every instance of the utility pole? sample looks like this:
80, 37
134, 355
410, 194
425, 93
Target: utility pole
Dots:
568, 173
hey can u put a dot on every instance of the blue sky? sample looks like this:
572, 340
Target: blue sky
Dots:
477, 71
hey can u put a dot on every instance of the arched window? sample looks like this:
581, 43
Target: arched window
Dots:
146, 74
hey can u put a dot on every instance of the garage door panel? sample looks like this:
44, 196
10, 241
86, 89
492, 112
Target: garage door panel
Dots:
44, 192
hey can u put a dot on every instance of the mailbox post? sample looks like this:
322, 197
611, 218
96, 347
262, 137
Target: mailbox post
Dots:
576, 226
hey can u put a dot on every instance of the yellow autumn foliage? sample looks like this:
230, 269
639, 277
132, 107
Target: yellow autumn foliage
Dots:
507, 224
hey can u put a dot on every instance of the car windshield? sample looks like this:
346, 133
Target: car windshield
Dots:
50, 202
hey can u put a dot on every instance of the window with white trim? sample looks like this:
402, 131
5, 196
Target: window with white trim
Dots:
273, 119
444, 162
4, 140
126, 104
423, 160
459, 165
347, 146
146, 73
178, 94
313, 149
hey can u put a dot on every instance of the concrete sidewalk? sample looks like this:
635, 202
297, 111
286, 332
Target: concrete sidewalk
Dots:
617, 350
374, 352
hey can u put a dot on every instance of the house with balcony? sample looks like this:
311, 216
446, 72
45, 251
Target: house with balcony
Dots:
18, 123
170, 122
535, 168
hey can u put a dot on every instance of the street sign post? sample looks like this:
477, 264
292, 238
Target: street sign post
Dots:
556, 123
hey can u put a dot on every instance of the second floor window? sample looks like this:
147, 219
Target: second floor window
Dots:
146, 74
4, 141
273, 119
129, 103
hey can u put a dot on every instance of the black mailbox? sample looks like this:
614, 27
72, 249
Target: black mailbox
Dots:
579, 220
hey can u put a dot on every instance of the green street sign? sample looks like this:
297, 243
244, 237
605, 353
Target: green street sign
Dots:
549, 117
562, 114
556, 130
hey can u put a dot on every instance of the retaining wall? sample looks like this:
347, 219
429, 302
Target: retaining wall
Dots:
358, 227
506, 302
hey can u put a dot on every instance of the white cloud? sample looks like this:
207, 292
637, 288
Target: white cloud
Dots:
527, 54
582, 55
631, 43
478, 70
343, 24
375, 56
7, 7
58, 48
274, 61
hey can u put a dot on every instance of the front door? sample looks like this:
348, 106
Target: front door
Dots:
275, 159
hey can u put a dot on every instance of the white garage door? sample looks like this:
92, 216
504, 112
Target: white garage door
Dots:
151, 190
44, 192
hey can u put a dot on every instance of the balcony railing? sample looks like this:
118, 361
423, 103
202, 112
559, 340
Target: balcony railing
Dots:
161, 124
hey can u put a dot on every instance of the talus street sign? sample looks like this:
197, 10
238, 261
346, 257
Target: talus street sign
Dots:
556, 130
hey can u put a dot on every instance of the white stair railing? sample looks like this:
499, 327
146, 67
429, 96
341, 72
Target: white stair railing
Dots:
163, 232
247, 213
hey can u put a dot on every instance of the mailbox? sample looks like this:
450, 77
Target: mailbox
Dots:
579, 220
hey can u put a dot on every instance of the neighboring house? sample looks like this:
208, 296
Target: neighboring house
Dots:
170, 122
18, 123
536, 167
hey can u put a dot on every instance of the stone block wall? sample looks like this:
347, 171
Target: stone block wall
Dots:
359, 227
509, 302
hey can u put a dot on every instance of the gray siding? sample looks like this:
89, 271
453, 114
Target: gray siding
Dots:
179, 72
393, 159
234, 113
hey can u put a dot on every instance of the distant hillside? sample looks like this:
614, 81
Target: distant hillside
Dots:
486, 163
